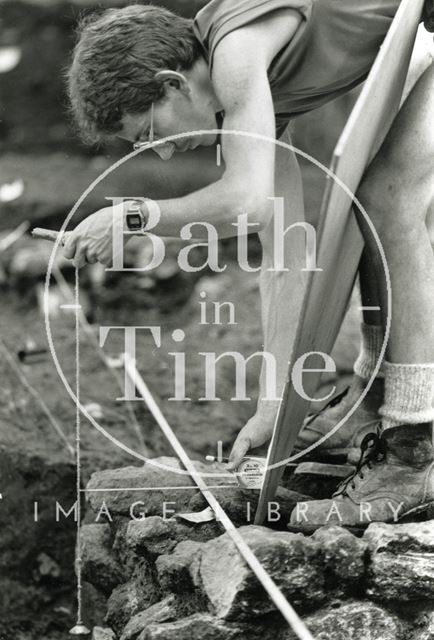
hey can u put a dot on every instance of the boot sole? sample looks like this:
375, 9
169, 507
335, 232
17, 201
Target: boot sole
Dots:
358, 530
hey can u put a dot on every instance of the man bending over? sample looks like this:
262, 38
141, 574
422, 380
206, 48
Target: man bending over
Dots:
252, 66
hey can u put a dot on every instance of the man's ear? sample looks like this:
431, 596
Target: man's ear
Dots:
173, 80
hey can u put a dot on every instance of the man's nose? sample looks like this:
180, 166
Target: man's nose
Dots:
165, 151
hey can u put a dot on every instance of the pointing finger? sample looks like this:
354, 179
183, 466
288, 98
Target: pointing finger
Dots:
70, 246
239, 450
80, 257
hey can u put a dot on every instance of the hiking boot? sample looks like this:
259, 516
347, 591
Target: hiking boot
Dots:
394, 480
346, 440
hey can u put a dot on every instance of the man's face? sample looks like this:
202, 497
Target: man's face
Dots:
180, 111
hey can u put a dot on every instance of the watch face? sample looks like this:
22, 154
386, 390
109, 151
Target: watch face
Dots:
134, 221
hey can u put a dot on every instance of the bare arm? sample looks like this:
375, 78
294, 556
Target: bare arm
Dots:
248, 178
281, 298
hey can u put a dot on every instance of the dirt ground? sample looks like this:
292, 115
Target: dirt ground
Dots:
199, 425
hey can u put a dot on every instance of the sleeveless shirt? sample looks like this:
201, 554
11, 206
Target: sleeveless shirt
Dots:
331, 52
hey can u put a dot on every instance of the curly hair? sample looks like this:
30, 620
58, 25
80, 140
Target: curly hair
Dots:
428, 15
115, 61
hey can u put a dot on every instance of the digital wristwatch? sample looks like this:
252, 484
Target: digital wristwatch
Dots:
136, 219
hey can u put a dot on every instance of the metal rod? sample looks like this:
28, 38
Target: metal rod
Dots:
79, 628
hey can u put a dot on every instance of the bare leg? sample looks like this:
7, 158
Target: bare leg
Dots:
397, 192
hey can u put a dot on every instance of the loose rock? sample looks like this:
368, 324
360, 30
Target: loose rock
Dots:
427, 632
126, 601
99, 564
94, 605
353, 621
168, 610
402, 561
201, 626
291, 560
163, 481
162, 501
413, 537
156, 536
162, 611
178, 572
103, 633
343, 556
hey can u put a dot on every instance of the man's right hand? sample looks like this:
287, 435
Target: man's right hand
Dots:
257, 431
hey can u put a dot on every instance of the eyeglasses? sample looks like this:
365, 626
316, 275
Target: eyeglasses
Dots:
142, 143
164, 150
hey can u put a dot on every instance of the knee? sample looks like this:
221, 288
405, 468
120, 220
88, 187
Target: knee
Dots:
392, 231
394, 207
387, 220
379, 208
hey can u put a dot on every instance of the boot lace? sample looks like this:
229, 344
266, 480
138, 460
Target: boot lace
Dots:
331, 403
372, 452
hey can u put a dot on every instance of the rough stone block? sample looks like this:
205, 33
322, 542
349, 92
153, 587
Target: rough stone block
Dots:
168, 610
427, 628
159, 501
400, 538
126, 601
154, 534
100, 566
201, 626
233, 590
163, 611
103, 633
94, 605
353, 621
343, 555
178, 572
401, 561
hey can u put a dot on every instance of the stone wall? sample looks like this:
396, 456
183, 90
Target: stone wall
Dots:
164, 578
